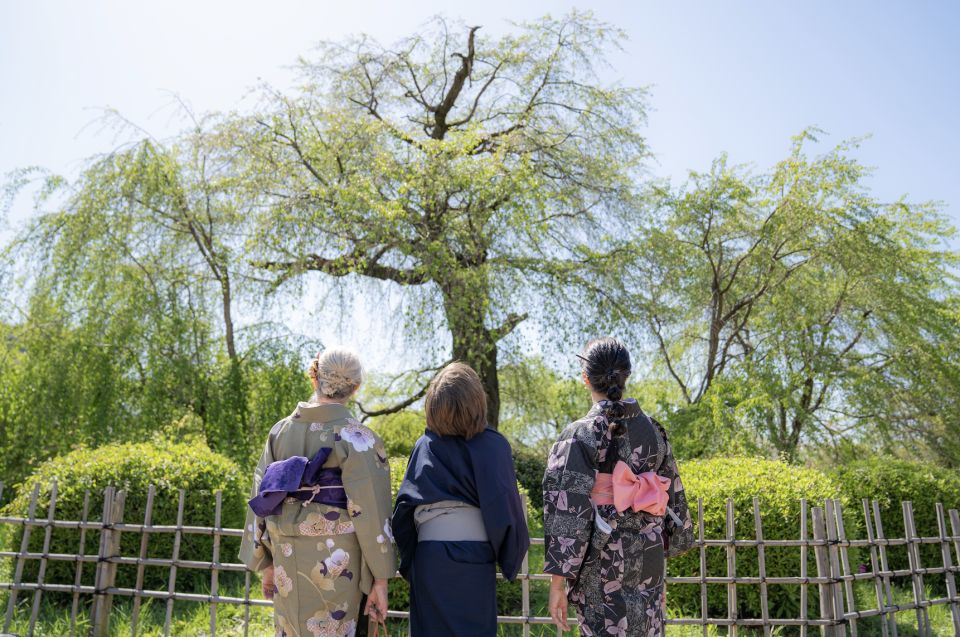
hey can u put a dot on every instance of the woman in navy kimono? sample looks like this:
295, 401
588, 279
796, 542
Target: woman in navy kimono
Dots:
458, 513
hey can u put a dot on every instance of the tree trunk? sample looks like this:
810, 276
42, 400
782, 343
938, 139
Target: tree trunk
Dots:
228, 317
465, 299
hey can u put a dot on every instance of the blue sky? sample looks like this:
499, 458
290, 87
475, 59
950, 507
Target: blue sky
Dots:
738, 77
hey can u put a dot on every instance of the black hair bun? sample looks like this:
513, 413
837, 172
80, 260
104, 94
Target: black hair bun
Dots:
615, 393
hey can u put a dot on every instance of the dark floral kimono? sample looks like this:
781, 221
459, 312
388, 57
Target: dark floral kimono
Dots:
616, 578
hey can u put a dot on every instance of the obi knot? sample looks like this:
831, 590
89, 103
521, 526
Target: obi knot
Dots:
300, 478
625, 489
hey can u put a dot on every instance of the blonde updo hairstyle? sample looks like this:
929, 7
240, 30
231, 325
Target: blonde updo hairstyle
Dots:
336, 373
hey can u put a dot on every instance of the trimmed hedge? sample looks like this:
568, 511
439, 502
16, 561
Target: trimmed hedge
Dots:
780, 487
890, 482
531, 465
190, 465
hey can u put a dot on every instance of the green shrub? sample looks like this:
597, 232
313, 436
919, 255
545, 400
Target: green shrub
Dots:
189, 465
399, 431
890, 482
780, 487
531, 465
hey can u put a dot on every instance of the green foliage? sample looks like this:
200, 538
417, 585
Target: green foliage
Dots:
793, 304
128, 281
75, 375
531, 464
483, 188
779, 487
399, 431
133, 467
537, 402
892, 481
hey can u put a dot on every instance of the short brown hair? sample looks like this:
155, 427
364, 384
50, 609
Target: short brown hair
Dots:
456, 404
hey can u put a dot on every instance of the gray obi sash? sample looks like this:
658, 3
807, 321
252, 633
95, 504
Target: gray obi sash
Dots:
449, 521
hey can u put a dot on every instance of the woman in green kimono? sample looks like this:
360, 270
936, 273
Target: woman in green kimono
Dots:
318, 526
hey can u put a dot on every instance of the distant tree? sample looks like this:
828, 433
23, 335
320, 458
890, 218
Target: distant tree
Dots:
129, 281
491, 178
800, 301
537, 402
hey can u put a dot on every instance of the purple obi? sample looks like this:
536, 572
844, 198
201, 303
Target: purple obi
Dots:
299, 478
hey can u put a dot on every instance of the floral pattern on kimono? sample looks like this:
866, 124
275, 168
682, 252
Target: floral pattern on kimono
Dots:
324, 557
615, 580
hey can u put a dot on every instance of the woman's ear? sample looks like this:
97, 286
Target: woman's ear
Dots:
586, 381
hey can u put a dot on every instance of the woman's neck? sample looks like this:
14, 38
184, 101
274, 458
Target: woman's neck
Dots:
323, 400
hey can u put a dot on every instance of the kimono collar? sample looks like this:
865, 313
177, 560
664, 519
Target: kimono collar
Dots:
630, 407
326, 412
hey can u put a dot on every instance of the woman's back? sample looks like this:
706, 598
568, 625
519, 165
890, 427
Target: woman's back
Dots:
322, 496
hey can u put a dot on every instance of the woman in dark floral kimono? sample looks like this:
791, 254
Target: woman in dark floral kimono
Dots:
614, 508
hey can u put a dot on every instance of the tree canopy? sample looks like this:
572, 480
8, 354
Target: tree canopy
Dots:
487, 173
497, 186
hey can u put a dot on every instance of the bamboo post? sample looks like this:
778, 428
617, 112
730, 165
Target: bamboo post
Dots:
214, 578
761, 562
823, 571
99, 613
24, 547
525, 575
172, 587
703, 568
114, 547
955, 529
144, 539
42, 571
916, 579
834, 554
948, 568
804, 584
881, 543
246, 602
78, 574
847, 571
875, 568
732, 614
106, 568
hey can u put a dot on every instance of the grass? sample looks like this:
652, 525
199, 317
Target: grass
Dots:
193, 619
190, 619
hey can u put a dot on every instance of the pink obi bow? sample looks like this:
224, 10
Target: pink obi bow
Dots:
626, 490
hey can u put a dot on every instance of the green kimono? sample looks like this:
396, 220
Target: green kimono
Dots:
324, 556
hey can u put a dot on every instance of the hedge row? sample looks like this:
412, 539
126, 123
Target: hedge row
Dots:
191, 466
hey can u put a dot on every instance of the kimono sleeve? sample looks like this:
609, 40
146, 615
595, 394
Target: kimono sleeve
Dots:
500, 504
567, 509
255, 543
366, 479
678, 537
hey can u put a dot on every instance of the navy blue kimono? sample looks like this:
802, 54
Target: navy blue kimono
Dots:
453, 584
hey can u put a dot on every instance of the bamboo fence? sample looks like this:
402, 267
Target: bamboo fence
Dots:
838, 613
